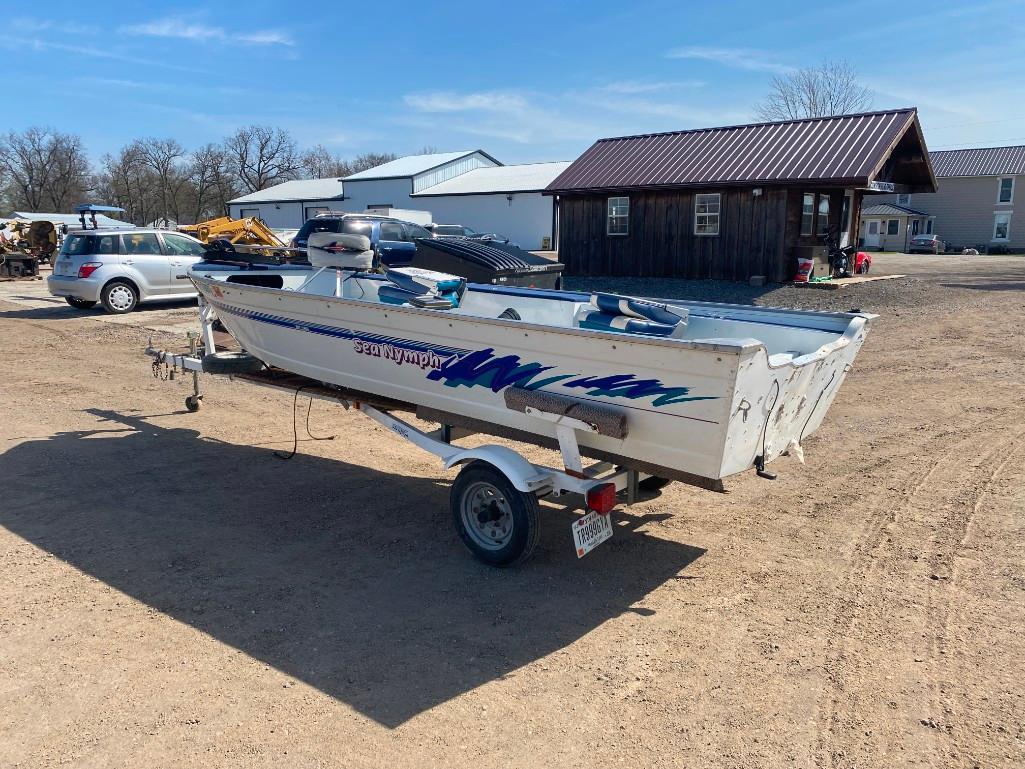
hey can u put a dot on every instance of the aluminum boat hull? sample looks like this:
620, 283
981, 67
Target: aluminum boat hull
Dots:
707, 407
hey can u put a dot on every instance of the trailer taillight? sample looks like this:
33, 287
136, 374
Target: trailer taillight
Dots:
602, 498
88, 269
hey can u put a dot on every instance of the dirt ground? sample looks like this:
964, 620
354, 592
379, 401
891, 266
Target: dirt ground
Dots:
173, 594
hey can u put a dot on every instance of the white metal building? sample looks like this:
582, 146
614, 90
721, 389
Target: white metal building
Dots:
502, 199
470, 188
290, 204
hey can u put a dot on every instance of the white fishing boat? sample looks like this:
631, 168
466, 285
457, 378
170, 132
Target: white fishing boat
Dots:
662, 389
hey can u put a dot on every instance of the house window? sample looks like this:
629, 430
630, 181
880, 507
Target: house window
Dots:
808, 213
928, 227
904, 200
249, 213
1005, 193
1002, 226
618, 217
706, 214
312, 211
823, 223
892, 226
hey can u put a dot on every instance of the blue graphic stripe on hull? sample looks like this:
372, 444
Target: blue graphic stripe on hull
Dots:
336, 331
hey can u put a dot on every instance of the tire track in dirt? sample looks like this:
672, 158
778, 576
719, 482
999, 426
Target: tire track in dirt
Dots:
944, 609
867, 569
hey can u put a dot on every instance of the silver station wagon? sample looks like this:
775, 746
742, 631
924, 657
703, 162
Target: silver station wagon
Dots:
121, 268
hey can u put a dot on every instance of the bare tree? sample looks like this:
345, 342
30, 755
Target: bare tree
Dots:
166, 159
370, 160
318, 163
832, 88
211, 182
126, 180
261, 156
43, 169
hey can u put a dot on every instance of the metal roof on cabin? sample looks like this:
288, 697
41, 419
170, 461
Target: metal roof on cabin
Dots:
411, 165
984, 161
525, 177
846, 148
890, 209
298, 189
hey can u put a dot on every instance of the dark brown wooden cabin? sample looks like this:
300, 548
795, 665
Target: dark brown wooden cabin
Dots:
731, 203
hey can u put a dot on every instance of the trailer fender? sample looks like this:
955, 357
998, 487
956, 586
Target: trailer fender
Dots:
523, 475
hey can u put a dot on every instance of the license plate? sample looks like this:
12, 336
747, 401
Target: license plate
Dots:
591, 530
62, 268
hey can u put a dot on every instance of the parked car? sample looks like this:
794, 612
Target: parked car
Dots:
121, 268
459, 231
391, 239
862, 263
926, 244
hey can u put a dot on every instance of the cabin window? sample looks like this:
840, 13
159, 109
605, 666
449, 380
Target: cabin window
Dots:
618, 222
823, 214
706, 214
892, 226
904, 200
1002, 227
808, 213
1005, 194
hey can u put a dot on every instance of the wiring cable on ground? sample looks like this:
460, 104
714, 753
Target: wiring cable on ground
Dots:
295, 426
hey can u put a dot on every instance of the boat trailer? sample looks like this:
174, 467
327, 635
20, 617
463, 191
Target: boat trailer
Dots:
494, 498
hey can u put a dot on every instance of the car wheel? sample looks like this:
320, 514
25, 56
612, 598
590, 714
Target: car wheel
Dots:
79, 304
119, 297
865, 267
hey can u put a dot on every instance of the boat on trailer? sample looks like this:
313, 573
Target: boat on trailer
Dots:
654, 389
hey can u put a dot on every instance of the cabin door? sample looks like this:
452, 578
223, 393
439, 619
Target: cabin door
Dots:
872, 234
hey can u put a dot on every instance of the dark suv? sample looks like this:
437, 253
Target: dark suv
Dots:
393, 240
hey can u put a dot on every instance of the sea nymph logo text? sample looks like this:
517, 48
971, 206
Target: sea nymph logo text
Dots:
425, 359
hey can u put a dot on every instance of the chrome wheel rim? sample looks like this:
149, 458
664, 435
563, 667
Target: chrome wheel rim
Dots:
120, 298
487, 516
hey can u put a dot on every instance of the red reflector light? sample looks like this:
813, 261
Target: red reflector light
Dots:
88, 269
602, 498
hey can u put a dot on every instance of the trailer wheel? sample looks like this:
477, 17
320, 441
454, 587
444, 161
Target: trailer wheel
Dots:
192, 403
654, 483
497, 522
231, 363
79, 304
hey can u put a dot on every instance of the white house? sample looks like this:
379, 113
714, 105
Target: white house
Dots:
470, 188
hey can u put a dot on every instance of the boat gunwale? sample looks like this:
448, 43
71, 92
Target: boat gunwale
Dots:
742, 346
739, 348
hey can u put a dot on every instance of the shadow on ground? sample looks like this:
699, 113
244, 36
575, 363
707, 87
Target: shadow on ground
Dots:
345, 577
62, 311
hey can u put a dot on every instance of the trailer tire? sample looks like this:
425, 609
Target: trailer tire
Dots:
498, 523
80, 304
231, 363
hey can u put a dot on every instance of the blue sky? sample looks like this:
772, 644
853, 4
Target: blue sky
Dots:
526, 81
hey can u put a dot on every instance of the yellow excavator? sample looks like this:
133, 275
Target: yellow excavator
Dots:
239, 232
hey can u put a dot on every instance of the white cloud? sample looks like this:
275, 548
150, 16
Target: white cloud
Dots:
636, 86
737, 58
543, 119
178, 28
448, 101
